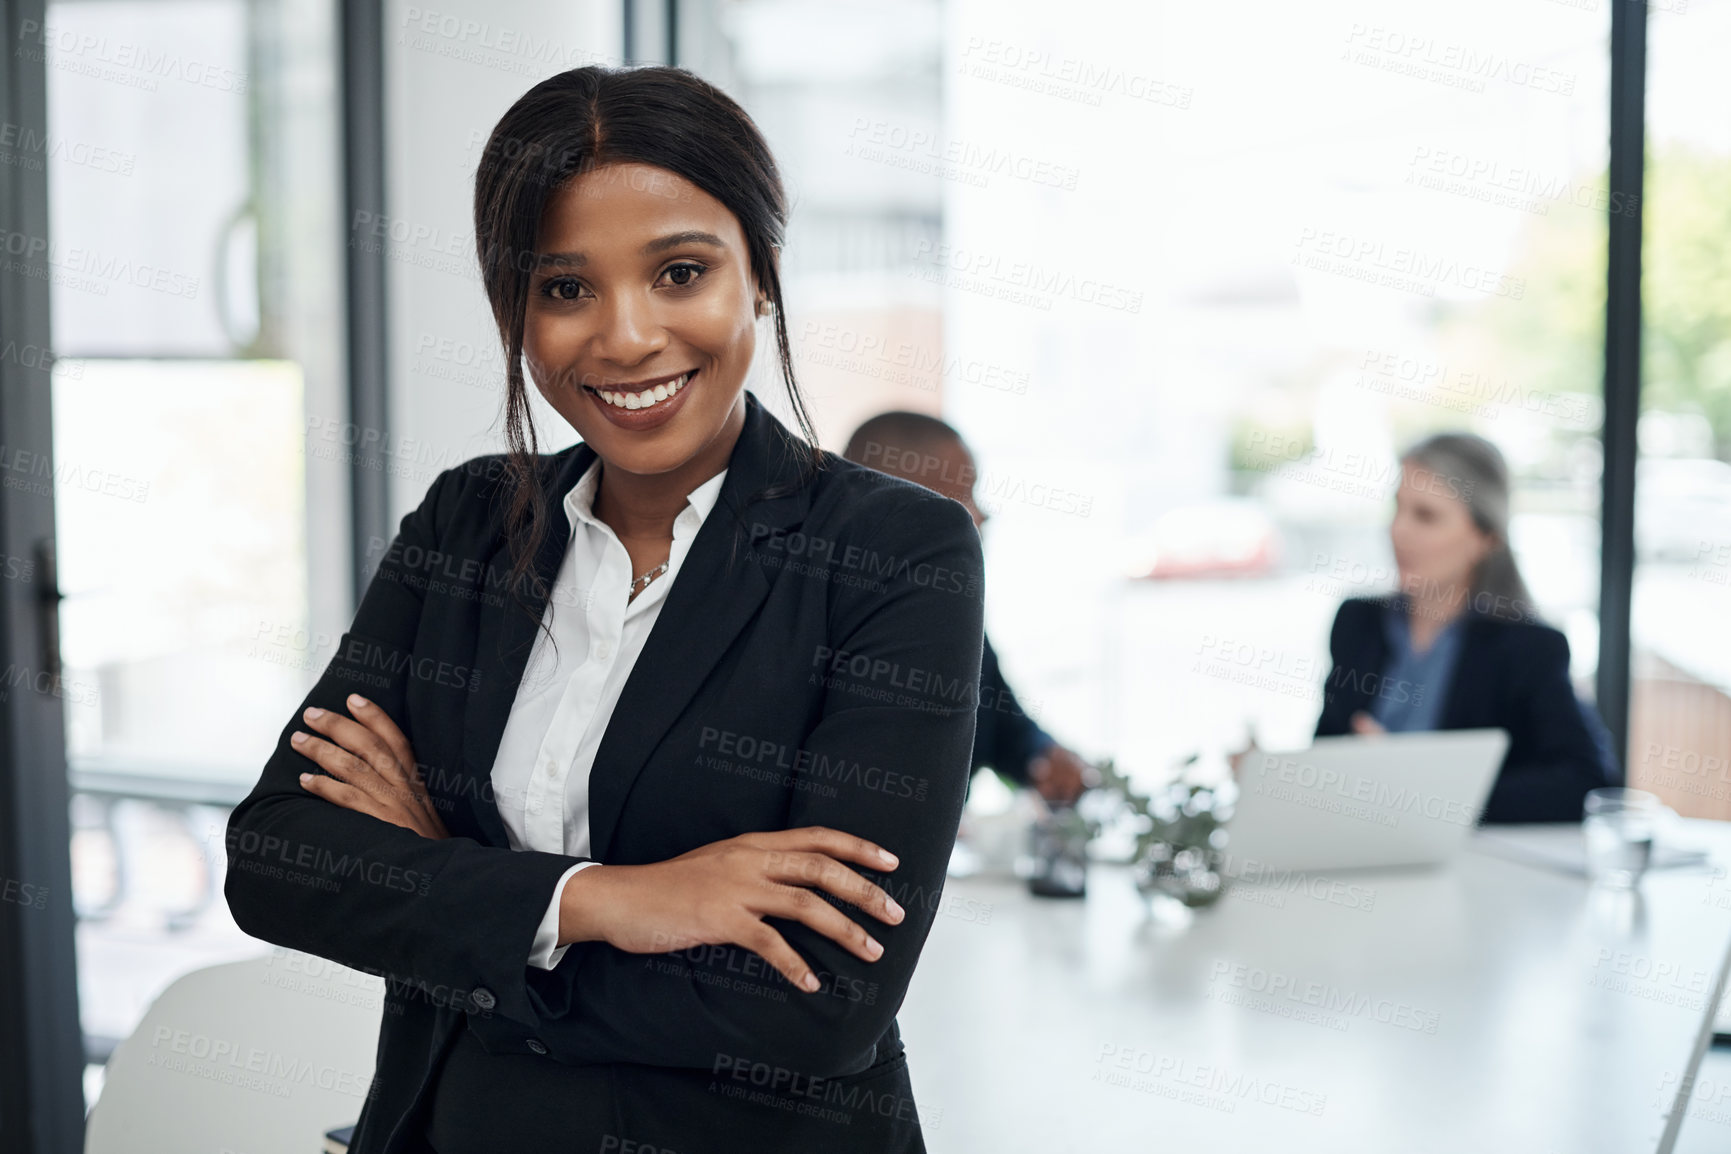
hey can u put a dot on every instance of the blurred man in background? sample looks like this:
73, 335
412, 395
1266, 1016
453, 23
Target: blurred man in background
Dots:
929, 452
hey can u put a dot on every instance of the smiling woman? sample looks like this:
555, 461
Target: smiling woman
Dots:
674, 873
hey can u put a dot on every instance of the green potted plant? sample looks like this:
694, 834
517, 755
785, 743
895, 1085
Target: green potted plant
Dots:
1181, 852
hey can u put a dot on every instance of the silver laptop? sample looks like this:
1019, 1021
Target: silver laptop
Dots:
1396, 799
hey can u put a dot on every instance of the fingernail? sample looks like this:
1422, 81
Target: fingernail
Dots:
889, 858
357, 701
809, 982
297, 739
895, 910
314, 713
874, 948
305, 778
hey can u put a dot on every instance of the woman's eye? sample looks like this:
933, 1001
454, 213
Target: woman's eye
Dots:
683, 275
691, 273
562, 289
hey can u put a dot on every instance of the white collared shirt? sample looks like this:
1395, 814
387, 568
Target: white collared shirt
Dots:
541, 772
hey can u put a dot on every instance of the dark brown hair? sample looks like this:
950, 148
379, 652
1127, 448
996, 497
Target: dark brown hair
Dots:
578, 121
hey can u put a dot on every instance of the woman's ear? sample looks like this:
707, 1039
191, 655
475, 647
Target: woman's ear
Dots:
764, 304
1488, 543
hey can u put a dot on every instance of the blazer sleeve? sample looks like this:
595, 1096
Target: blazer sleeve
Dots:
1337, 706
443, 917
602, 1005
1005, 737
1554, 755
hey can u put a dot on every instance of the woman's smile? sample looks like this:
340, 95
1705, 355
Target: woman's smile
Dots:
642, 405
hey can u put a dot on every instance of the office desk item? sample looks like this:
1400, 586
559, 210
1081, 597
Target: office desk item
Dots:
1393, 800
1179, 849
1058, 853
1562, 848
1619, 827
1485, 1006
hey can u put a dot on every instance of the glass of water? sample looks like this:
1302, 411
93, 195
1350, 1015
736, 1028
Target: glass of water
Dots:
1619, 825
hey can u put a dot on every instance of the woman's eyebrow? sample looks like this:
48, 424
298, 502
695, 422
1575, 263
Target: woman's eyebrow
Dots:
660, 244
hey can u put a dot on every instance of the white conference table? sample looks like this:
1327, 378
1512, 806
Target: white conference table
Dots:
1486, 1006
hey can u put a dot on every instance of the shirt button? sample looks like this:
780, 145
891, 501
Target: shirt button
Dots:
551, 768
483, 998
536, 1046
603, 651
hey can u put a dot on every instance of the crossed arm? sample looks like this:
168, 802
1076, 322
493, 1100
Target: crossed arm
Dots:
451, 912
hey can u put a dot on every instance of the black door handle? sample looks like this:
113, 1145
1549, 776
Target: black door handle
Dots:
48, 598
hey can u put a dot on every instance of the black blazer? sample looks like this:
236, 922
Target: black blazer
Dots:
1508, 675
1005, 737
815, 663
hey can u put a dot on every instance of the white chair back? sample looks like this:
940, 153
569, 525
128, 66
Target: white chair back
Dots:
255, 1057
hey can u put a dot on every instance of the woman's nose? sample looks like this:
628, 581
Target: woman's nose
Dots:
630, 332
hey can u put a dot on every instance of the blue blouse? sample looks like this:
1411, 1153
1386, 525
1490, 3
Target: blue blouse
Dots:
1414, 685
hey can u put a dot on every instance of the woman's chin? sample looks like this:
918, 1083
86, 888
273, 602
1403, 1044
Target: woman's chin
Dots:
647, 454
645, 460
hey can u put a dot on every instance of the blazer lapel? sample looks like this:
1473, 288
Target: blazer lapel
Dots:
715, 594
1464, 707
1356, 679
506, 637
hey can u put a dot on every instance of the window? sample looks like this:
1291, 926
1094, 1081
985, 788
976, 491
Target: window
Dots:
1680, 716
197, 293
849, 96
1240, 273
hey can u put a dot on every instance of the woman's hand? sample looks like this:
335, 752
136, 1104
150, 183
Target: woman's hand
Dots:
372, 769
720, 893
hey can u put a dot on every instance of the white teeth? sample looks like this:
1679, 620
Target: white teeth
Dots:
646, 398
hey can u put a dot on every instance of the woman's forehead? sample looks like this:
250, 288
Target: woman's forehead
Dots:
622, 208
630, 178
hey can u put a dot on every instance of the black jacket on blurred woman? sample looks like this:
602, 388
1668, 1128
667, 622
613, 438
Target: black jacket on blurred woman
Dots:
1511, 675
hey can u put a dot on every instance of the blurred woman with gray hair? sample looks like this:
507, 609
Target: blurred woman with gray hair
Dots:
1460, 644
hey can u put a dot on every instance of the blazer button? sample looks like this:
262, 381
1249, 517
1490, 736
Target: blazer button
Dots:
535, 1045
483, 998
